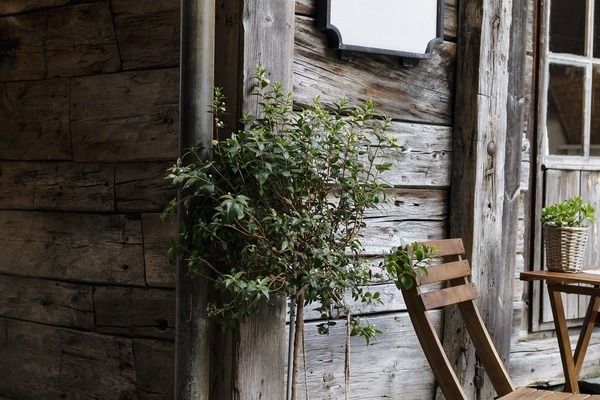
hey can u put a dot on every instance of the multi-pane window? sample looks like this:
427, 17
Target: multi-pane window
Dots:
571, 84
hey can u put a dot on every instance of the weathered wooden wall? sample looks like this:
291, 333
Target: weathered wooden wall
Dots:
88, 126
535, 358
420, 100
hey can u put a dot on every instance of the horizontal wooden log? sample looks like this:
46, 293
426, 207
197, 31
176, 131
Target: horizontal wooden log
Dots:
135, 312
381, 234
56, 186
35, 120
72, 247
135, 118
143, 187
148, 33
308, 8
423, 158
64, 364
535, 360
22, 54
154, 361
419, 94
81, 41
393, 366
160, 271
18, 6
412, 204
49, 302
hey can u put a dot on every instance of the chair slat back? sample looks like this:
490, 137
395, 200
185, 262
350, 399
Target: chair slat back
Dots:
459, 291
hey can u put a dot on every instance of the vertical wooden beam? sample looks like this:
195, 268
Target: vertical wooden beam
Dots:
192, 343
486, 169
251, 362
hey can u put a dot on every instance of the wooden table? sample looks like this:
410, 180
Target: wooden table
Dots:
564, 282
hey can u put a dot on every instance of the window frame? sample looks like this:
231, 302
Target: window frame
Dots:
587, 62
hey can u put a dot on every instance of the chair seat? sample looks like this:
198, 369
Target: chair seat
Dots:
534, 394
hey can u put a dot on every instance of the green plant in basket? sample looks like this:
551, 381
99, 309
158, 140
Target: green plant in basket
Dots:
573, 212
565, 233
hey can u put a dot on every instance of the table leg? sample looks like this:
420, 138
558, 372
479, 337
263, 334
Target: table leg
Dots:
586, 332
562, 334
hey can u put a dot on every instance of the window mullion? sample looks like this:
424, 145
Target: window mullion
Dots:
589, 49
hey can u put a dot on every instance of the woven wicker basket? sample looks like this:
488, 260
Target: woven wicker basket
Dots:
565, 248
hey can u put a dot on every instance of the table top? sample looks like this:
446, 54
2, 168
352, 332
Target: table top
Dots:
564, 277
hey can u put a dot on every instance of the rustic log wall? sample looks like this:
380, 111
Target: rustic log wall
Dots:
88, 126
420, 100
535, 359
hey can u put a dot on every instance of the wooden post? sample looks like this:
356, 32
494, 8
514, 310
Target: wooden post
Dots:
192, 345
251, 362
485, 172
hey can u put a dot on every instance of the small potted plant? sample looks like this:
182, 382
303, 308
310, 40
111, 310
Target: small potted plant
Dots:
565, 233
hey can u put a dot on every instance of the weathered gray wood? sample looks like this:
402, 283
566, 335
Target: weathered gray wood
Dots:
135, 118
56, 186
380, 235
154, 361
81, 40
561, 185
420, 94
478, 177
535, 360
308, 8
423, 158
136, 312
48, 302
412, 204
147, 32
393, 366
160, 271
590, 182
22, 56
256, 352
35, 120
143, 187
18, 6
72, 247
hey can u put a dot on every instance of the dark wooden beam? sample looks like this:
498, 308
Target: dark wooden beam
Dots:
250, 362
486, 168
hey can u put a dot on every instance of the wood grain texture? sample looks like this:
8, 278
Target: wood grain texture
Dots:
393, 366
81, 40
478, 178
160, 271
56, 186
135, 312
308, 8
22, 55
72, 247
47, 302
66, 364
147, 32
135, 118
419, 94
143, 187
381, 234
424, 156
154, 361
18, 6
535, 359
35, 120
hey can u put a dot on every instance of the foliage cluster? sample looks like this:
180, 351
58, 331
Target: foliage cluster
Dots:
573, 212
277, 207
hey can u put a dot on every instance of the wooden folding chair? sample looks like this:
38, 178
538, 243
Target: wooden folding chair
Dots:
456, 271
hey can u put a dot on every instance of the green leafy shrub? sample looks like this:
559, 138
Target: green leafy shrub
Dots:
572, 213
403, 263
277, 208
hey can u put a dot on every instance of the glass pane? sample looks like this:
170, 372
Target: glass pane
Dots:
595, 129
567, 26
565, 110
